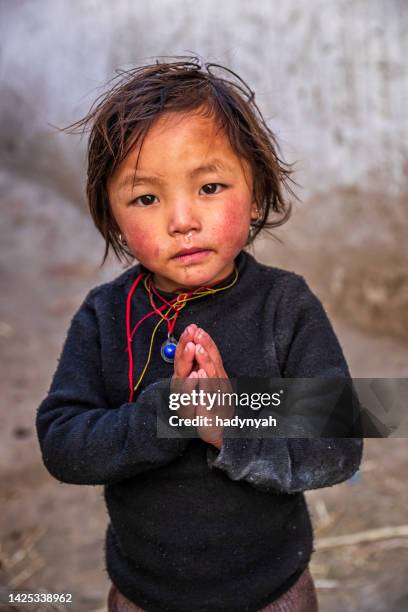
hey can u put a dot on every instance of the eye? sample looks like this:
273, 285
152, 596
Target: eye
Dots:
144, 200
212, 185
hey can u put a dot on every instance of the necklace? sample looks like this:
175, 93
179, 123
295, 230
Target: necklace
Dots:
168, 347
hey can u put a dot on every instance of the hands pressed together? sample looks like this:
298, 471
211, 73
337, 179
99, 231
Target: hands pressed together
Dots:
198, 359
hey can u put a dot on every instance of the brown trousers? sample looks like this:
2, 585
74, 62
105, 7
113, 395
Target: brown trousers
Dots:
301, 597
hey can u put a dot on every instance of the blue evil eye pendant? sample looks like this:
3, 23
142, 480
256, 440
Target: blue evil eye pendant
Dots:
168, 349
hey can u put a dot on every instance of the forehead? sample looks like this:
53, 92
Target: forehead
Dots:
188, 133
181, 142
187, 130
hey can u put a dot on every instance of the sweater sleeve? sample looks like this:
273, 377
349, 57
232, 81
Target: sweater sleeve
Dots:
306, 347
83, 440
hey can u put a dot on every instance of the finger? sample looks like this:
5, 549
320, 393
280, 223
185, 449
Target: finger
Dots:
187, 336
184, 384
202, 386
190, 382
189, 333
202, 337
204, 361
184, 360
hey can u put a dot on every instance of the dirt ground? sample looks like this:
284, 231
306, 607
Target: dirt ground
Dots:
52, 534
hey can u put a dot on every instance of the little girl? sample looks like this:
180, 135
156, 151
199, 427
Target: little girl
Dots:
183, 174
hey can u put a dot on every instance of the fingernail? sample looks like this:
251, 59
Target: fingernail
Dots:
200, 348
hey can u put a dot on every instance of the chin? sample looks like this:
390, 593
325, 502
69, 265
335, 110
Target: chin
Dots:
195, 280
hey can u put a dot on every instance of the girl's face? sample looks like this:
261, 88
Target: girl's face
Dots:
191, 192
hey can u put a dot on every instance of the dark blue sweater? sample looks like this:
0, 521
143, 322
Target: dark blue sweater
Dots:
193, 528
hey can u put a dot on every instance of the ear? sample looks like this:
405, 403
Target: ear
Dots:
254, 211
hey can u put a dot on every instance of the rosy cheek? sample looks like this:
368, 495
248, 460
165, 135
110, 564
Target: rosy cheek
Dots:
141, 245
232, 227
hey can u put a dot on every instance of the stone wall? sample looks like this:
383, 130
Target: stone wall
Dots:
330, 77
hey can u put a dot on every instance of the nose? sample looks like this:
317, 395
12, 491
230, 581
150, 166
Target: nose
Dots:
183, 218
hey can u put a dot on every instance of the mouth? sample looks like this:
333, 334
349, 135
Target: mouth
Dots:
192, 255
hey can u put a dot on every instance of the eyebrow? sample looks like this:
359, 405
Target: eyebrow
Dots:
213, 165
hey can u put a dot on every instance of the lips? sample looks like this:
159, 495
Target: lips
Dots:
189, 251
192, 255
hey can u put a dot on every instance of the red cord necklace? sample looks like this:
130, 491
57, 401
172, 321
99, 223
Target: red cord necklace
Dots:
168, 348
